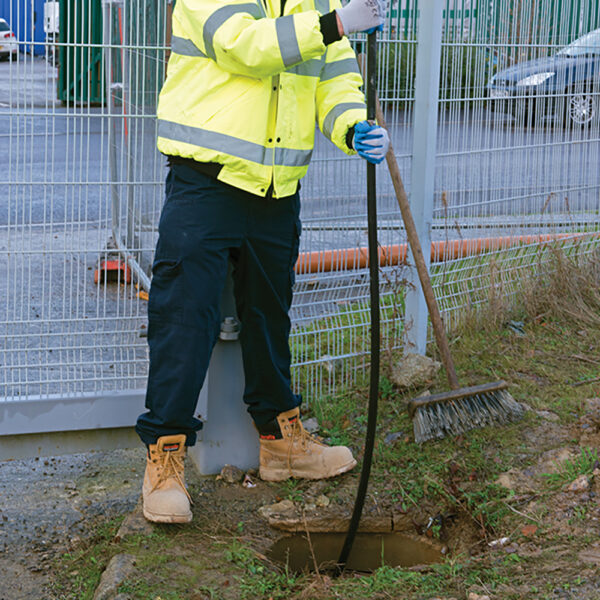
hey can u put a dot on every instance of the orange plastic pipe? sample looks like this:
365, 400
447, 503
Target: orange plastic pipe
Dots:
346, 259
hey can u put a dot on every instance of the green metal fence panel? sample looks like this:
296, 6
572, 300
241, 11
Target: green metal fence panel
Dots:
80, 62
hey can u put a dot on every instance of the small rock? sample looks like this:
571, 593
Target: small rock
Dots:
322, 501
311, 425
330, 363
285, 507
590, 556
581, 484
517, 327
592, 404
552, 460
515, 480
118, 570
231, 474
134, 522
390, 438
474, 596
414, 370
547, 415
310, 507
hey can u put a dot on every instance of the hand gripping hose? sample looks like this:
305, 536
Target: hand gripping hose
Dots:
374, 293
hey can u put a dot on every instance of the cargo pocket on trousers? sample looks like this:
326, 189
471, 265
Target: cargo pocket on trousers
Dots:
295, 248
166, 301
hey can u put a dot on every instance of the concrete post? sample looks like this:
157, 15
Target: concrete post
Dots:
228, 435
427, 84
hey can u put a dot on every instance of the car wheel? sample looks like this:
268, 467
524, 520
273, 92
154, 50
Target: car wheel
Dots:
581, 110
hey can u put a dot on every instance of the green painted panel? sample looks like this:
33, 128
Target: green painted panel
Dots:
80, 62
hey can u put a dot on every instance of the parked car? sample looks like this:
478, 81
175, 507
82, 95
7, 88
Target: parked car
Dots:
564, 87
8, 42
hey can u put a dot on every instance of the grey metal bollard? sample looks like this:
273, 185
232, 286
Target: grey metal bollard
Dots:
228, 435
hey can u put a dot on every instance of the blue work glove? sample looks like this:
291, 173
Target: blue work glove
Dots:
370, 141
362, 15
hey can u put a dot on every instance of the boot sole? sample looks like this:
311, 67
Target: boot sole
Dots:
283, 474
156, 518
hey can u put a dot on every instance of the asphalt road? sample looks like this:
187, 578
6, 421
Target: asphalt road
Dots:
57, 164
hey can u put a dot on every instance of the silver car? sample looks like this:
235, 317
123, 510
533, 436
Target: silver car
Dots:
8, 42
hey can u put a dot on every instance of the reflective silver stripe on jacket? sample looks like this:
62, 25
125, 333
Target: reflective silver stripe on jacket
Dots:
339, 67
185, 47
335, 112
310, 68
288, 42
322, 6
287, 157
220, 142
223, 14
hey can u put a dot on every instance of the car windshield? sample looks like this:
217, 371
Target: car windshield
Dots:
587, 44
4, 26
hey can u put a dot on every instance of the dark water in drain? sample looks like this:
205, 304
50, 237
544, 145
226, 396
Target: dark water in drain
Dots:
369, 552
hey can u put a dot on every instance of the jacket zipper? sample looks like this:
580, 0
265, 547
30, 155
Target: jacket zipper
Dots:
271, 188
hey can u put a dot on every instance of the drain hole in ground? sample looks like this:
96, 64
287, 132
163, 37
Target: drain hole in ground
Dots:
369, 552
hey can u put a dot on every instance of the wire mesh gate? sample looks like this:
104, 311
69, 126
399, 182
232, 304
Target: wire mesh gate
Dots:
84, 188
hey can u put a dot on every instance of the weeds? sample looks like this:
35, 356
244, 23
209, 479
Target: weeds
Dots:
292, 490
257, 580
450, 478
570, 470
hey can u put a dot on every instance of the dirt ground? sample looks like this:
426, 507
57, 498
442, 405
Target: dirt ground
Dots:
48, 505
515, 508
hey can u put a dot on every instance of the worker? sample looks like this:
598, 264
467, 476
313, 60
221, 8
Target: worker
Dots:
246, 80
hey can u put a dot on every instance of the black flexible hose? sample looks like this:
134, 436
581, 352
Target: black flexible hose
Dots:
374, 293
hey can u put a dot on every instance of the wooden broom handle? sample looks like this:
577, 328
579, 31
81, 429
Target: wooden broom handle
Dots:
413, 239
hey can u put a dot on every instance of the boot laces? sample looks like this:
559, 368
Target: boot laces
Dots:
172, 467
304, 437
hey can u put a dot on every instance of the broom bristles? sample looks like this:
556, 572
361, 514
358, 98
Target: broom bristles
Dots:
439, 419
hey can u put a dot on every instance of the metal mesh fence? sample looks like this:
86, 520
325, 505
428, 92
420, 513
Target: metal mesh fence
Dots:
83, 185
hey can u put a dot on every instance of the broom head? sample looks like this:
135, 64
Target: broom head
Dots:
452, 413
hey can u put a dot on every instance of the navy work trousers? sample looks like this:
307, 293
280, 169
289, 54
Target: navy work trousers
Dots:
204, 225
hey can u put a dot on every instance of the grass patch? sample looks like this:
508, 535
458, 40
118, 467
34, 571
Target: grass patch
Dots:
447, 489
81, 568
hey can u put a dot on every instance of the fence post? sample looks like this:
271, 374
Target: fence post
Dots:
429, 38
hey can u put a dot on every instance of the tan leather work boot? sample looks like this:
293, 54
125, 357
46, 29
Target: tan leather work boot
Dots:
293, 452
165, 497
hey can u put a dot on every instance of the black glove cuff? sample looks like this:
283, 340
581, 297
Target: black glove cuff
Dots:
329, 28
350, 138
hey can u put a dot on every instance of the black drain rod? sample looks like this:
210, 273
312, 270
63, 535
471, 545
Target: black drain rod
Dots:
374, 294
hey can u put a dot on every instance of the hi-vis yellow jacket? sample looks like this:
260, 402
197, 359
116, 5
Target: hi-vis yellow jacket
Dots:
244, 86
